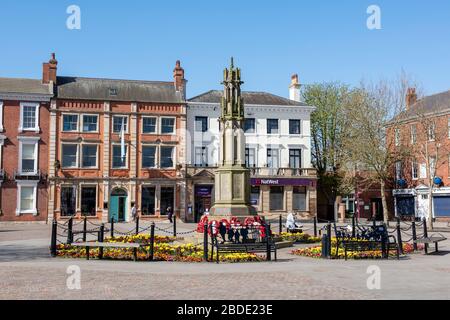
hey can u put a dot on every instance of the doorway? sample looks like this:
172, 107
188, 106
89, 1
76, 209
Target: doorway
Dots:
118, 205
203, 200
377, 209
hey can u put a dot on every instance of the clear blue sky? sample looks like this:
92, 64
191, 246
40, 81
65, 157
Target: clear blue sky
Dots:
320, 40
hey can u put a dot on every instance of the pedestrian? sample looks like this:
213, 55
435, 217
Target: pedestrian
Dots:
133, 212
169, 213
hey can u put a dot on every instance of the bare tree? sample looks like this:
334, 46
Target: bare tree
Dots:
374, 114
430, 150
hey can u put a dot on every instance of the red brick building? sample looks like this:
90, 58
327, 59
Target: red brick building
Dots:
116, 144
424, 131
24, 146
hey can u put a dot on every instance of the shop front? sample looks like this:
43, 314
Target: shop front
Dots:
283, 195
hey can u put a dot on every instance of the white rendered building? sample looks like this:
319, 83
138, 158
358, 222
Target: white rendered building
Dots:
278, 151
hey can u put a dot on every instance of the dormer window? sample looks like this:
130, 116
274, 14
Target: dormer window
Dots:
112, 91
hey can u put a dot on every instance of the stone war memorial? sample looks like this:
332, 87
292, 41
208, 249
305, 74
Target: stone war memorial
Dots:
232, 178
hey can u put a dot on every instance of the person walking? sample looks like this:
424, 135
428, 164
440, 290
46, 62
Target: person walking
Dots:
169, 214
133, 212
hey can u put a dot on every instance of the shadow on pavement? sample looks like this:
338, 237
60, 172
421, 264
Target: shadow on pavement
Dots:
10, 253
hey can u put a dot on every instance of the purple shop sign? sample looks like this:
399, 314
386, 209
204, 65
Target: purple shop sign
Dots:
283, 182
203, 191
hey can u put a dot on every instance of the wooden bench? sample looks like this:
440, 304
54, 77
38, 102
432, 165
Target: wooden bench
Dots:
430, 240
257, 247
101, 245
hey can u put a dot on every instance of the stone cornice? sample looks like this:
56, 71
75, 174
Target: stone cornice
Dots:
248, 107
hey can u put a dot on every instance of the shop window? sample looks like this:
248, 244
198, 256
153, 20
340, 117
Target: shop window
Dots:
276, 198
89, 201
167, 199
254, 195
148, 201
299, 199
68, 201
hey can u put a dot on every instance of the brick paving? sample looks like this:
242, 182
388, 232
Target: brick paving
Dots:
29, 273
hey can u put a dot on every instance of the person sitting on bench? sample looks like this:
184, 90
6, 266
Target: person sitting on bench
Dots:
291, 225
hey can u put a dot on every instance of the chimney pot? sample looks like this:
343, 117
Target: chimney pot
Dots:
411, 97
294, 89
49, 70
178, 77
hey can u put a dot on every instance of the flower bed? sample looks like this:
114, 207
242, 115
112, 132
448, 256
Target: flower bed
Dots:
316, 252
164, 250
299, 237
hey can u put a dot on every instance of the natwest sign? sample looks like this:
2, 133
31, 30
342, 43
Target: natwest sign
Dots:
283, 182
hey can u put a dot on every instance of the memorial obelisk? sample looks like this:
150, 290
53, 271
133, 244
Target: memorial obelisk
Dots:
232, 178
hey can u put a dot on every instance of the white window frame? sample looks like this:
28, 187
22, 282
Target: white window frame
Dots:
70, 114
115, 144
204, 154
415, 165
36, 105
278, 126
126, 120
278, 155
413, 134
398, 170
156, 125
81, 155
1, 117
77, 165
32, 184
174, 126
432, 132
397, 137
174, 157
29, 141
156, 156
82, 122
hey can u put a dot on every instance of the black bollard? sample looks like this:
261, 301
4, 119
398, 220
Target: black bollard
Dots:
205, 242
425, 234
101, 237
137, 225
414, 234
212, 241
175, 225
353, 226
325, 246
280, 222
70, 232
315, 226
329, 238
112, 227
53, 240
152, 242
268, 254
85, 229
399, 236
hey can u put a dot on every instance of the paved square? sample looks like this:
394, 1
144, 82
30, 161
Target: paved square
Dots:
28, 272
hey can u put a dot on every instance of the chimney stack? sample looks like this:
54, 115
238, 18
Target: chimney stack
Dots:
178, 77
49, 70
294, 89
411, 97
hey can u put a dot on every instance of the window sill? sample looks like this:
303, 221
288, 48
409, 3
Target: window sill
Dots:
26, 212
36, 130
